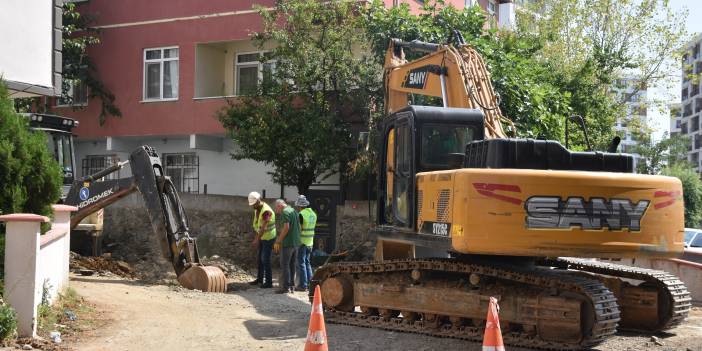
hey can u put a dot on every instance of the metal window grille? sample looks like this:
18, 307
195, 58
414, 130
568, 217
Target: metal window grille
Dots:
91, 164
184, 170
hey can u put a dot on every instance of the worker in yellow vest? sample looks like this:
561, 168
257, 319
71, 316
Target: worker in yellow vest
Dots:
308, 220
264, 238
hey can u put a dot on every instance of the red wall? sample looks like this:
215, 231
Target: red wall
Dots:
119, 58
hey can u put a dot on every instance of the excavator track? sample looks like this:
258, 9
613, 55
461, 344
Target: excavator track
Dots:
600, 302
668, 298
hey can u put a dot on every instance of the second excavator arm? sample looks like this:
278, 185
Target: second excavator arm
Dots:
165, 210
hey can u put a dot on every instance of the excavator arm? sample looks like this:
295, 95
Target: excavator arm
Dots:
456, 74
166, 214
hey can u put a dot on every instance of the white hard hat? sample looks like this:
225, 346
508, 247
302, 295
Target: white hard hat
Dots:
254, 197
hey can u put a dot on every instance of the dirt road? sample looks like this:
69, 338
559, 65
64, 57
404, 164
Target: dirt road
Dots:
160, 317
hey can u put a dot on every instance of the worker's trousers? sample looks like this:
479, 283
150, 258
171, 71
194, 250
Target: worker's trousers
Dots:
304, 268
288, 265
265, 275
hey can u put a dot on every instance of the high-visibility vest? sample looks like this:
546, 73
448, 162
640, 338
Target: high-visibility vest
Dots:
269, 230
309, 221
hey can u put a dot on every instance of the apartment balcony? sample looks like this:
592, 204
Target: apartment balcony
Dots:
227, 69
698, 105
683, 128
684, 94
695, 89
687, 111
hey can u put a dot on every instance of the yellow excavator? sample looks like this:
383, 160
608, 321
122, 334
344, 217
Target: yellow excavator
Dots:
465, 213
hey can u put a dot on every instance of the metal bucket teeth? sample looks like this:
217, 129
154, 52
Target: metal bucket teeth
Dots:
204, 278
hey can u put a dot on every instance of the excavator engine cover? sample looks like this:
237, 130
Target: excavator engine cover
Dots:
542, 154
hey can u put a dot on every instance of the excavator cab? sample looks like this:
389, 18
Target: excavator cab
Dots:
420, 139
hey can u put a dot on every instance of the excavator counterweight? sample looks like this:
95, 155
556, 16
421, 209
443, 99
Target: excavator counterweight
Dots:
166, 213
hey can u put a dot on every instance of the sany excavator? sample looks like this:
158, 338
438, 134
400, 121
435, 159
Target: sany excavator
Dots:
465, 213
165, 210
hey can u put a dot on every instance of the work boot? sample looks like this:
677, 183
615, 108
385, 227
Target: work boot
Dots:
300, 288
282, 290
266, 285
255, 282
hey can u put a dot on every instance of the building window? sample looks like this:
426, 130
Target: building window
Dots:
491, 7
92, 164
161, 73
77, 95
250, 70
184, 170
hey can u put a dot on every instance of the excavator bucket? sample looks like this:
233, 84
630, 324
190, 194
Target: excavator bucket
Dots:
204, 278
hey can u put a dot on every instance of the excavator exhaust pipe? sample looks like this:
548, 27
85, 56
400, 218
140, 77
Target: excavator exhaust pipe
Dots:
204, 278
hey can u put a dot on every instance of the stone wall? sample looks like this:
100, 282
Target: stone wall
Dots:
222, 225
353, 224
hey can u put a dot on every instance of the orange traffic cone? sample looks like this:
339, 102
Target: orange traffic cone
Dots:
492, 341
316, 333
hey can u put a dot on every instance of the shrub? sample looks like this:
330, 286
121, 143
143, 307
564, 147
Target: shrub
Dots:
30, 177
8, 322
692, 193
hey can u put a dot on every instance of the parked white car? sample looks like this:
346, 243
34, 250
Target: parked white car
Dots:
693, 240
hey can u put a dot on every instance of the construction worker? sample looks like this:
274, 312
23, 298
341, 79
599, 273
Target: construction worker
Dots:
264, 238
287, 245
308, 219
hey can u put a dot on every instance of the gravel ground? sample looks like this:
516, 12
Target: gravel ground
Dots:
162, 317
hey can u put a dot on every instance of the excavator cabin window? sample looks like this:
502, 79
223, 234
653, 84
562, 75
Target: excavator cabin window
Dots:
439, 141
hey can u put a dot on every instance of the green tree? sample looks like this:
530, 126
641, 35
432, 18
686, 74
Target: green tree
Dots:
78, 67
692, 192
297, 121
656, 156
591, 43
30, 177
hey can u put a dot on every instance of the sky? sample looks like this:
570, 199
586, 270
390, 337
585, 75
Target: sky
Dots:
694, 24
660, 120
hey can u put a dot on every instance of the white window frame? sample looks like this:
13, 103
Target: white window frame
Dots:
259, 64
494, 7
71, 91
161, 60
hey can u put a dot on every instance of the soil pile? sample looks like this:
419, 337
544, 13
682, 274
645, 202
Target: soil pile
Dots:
101, 265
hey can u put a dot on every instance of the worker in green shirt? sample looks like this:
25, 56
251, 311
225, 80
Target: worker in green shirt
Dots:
287, 244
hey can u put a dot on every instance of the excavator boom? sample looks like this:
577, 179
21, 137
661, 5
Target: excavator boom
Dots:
166, 214
457, 75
